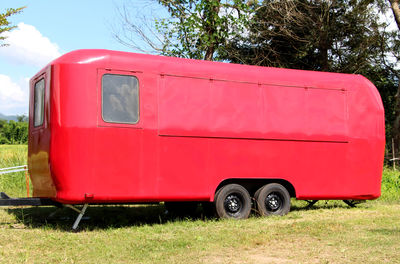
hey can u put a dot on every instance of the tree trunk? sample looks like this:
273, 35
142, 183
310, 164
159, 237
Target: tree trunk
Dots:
394, 4
396, 125
211, 29
209, 52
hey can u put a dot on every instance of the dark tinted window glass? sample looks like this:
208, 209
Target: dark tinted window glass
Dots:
120, 99
38, 103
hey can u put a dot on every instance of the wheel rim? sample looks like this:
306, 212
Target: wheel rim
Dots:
233, 204
273, 202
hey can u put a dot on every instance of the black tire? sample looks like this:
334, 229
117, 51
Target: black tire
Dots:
233, 201
272, 199
181, 208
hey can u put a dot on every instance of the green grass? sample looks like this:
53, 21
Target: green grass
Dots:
324, 234
329, 232
390, 185
10, 156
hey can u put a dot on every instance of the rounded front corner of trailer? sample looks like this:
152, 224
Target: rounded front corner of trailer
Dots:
61, 147
83, 57
366, 137
74, 120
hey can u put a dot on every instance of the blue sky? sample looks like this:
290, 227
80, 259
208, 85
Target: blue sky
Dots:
46, 30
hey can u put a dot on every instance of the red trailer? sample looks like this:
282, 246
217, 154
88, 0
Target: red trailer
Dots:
117, 127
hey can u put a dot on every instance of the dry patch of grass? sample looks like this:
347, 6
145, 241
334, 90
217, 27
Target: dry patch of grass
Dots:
370, 234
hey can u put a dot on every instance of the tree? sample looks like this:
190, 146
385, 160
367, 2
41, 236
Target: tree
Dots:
338, 36
3, 139
22, 118
197, 29
394, 4
5, 25
12, 132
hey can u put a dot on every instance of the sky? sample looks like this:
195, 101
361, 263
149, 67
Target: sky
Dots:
45, 30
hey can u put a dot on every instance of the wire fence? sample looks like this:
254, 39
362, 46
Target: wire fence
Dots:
18, 169
13, 169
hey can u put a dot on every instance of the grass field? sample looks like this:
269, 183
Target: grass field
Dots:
329, 232
10, 156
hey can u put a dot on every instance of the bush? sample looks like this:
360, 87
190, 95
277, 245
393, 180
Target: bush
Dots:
390, 185
4, 141
12, 132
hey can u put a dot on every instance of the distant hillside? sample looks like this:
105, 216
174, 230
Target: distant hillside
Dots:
6, 117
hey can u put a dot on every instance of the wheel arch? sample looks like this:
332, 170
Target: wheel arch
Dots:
252, 185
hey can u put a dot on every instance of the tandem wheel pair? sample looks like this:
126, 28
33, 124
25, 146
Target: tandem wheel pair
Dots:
234, 201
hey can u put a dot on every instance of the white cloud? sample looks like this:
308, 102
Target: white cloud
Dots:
28, 46
14, 97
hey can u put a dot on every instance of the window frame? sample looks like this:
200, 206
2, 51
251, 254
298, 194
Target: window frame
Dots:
40, 79
135, 73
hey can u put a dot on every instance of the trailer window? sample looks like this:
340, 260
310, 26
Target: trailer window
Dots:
38, 103
120, 99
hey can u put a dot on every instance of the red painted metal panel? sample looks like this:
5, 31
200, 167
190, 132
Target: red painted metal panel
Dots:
228, 109
326, 114
285, 112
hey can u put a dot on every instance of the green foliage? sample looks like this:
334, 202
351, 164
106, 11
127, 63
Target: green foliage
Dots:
12, 132
5, 25
200, 29
386, 83
390, 185
338, 36
22, 118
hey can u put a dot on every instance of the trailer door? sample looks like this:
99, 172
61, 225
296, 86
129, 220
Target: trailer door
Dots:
118, 134
39, 135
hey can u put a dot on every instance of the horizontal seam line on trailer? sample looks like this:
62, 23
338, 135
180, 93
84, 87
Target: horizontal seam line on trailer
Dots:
269, 139
257, 83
